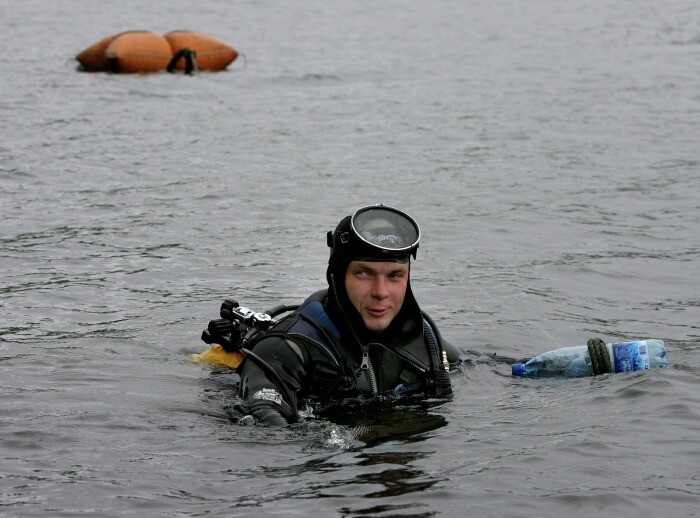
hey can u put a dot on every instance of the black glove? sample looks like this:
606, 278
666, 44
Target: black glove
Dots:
224, 333
268, 412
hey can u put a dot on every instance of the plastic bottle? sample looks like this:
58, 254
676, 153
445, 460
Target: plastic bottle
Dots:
576, 361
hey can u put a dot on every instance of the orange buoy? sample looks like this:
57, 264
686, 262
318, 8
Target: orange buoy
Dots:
209, 53
127, 52
138, 52
143, 51
93, 58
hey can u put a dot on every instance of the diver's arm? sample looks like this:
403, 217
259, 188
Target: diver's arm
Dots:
453, 354
263, 398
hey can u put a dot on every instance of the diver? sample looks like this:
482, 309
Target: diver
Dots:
364, 335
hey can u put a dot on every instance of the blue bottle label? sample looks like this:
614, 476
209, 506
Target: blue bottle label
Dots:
630, 356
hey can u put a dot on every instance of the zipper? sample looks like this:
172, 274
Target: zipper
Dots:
366, 362
400, 356
445, 362
367, 366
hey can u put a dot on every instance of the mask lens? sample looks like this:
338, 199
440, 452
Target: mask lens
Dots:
386, 228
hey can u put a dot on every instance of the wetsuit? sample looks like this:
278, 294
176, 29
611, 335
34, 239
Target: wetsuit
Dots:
319, 359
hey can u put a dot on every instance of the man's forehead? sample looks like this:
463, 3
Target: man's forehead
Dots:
384, 266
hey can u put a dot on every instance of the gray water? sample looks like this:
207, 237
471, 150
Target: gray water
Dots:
550, 151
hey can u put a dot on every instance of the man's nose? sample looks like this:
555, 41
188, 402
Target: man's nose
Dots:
379, 287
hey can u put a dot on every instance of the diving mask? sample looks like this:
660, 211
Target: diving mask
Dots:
377, 233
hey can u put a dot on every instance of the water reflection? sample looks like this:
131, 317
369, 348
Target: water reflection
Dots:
395, 481
402, 424
358, 476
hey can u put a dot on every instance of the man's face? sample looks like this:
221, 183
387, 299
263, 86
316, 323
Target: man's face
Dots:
377, 290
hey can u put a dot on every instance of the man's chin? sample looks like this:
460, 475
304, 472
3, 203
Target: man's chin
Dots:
375, 326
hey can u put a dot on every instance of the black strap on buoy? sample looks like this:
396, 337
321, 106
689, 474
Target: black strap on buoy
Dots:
190, 61
600, 359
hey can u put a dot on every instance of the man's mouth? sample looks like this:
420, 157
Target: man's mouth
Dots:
377, 312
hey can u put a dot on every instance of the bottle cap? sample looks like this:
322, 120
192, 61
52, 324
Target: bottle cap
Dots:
517, 369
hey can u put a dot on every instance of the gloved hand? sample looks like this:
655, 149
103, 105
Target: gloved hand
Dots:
268, 412
224, 333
